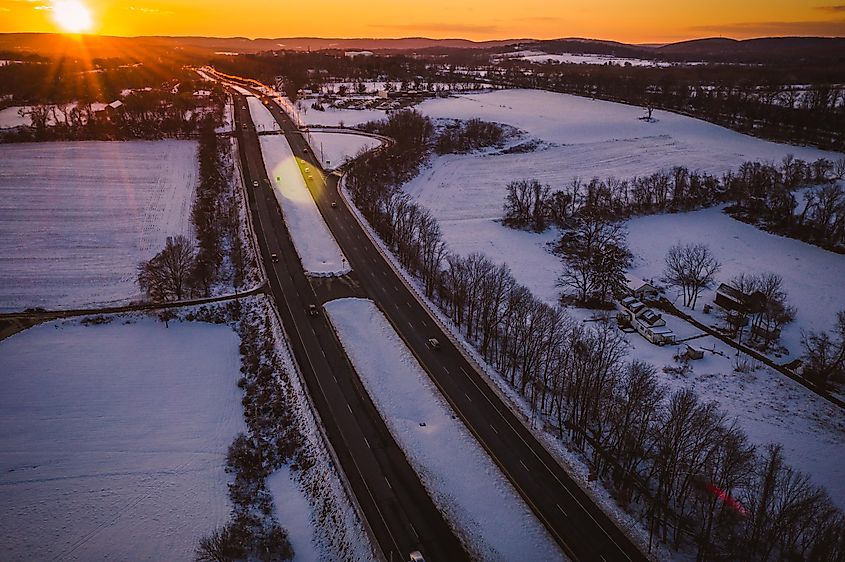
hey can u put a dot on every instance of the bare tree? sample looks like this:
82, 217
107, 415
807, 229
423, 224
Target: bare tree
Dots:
824, 354
774, 311
691, 268
595, 256
166, 275
525, 204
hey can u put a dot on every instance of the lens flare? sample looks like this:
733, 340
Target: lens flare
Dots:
72, 15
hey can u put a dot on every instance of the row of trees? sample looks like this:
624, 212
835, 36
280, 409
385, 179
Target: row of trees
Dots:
272, 440
151, 114
765, 193
763, 190
460, 137
690, 471
183, 269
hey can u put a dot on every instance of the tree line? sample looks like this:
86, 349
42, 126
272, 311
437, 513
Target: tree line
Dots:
272, 440
184, 268
684, 465
760, 193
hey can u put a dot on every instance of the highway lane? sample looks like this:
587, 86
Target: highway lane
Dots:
582, 529
399, 512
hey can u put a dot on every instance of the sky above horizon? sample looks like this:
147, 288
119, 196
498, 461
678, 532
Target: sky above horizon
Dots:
652, 21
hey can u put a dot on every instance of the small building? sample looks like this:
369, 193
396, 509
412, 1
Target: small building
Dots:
651, 318
731, 299
640, 288
648, 323
692, 353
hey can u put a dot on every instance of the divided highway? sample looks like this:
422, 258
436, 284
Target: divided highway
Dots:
579, 526
399, 512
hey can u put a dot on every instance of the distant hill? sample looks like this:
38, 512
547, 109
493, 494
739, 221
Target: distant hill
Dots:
771, 49
581, 46
96, 46
768, 49
765, 49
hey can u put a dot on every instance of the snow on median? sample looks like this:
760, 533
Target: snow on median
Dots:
261, 116
317, 248
464, 483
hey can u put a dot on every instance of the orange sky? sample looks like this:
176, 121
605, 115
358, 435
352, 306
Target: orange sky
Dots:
621, 20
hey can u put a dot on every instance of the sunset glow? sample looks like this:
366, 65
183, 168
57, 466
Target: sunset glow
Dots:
658, 21
72, 16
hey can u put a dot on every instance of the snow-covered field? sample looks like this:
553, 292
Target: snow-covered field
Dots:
590, 138
334, 149
573, 58
317, 248
464, 483
76, 218
333, 117
596, 138
109, 451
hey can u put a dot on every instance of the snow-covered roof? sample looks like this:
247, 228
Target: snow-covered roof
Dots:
115, 104
636, 284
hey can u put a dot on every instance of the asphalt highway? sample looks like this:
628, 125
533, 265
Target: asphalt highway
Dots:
399, 512
580, 527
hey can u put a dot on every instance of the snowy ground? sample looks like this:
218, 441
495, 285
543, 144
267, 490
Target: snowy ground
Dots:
463, 481
311, 501
597, 138
317, 248
261, 116
812, 277
333, 117
334, 149
109, 451
295, 513
76, 218
572, 58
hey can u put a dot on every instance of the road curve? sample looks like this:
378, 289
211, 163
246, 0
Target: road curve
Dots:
580, 527
400, 515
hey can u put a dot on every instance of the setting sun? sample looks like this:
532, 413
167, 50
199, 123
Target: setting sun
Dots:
72, 16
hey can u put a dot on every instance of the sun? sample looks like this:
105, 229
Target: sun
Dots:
72, 15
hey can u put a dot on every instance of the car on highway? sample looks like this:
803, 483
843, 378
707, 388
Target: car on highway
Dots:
305, 150
433, 343
416, 556
254, 183
313, 310
243, 126
334, 204
274, 258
